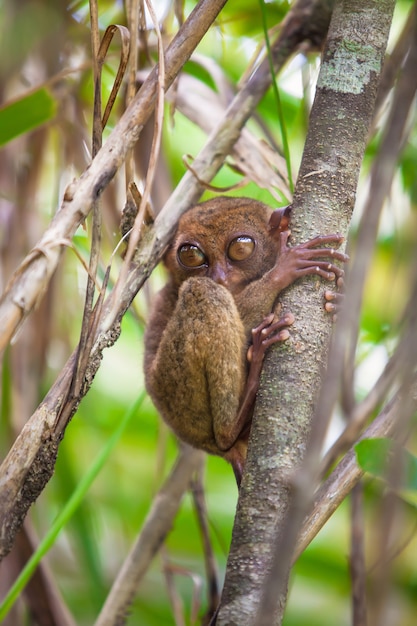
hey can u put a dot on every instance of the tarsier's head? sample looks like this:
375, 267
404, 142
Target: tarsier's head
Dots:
233, 241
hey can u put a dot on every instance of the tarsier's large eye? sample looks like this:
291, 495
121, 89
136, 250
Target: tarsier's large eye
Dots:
191, 256
241, 248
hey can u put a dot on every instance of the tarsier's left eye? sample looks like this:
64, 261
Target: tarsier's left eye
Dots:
191, 256
241, 248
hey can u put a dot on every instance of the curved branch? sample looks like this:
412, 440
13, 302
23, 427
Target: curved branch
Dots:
30, 280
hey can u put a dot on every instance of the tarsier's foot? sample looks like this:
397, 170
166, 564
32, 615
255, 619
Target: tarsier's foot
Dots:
267, 333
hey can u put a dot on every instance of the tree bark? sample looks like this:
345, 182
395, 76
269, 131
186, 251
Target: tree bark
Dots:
323, 203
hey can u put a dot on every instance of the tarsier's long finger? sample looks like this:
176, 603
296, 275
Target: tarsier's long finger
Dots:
283, 335
268, 325
335, 238
330, 267
270, 335
266, 334
324, 252
318, 271
267, 321
322, 268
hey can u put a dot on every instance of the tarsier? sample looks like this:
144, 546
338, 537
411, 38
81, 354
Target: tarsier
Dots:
212, 322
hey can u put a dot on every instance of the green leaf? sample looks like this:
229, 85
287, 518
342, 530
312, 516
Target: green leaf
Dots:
375, 456
26, 113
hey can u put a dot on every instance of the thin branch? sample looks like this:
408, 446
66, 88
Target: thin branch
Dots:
42, 595
393, 420
97, 66
30, 280
357, 558
86, 338
280, 113
363, 411
156, 527
150, 175
200, 506
390, 506
347, 473
133, 8
175, 600
381, 177
394, 62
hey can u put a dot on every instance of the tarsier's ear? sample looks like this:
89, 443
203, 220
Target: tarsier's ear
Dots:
279, 220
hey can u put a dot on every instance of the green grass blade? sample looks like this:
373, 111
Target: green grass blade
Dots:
67, 512
281, 119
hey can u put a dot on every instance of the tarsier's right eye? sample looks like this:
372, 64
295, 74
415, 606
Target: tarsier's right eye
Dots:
190, 255
241, 248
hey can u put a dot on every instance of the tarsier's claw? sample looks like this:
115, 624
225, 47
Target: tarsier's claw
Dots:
334, 301
289, 318
329, 295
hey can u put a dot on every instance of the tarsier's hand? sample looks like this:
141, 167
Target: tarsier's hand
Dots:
302, 260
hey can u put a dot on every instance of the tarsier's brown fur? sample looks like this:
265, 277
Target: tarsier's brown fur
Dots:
202, 355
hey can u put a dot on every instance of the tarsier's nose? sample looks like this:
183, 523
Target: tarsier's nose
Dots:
218, 274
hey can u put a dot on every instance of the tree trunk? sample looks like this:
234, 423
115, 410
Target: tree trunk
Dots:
323, 204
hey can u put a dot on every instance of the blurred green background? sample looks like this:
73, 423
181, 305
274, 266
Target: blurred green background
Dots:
46, 144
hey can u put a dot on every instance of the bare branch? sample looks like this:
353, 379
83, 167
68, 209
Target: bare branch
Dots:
381, 177
197, 491
347, 473
156, 527
31, 279
357, 558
